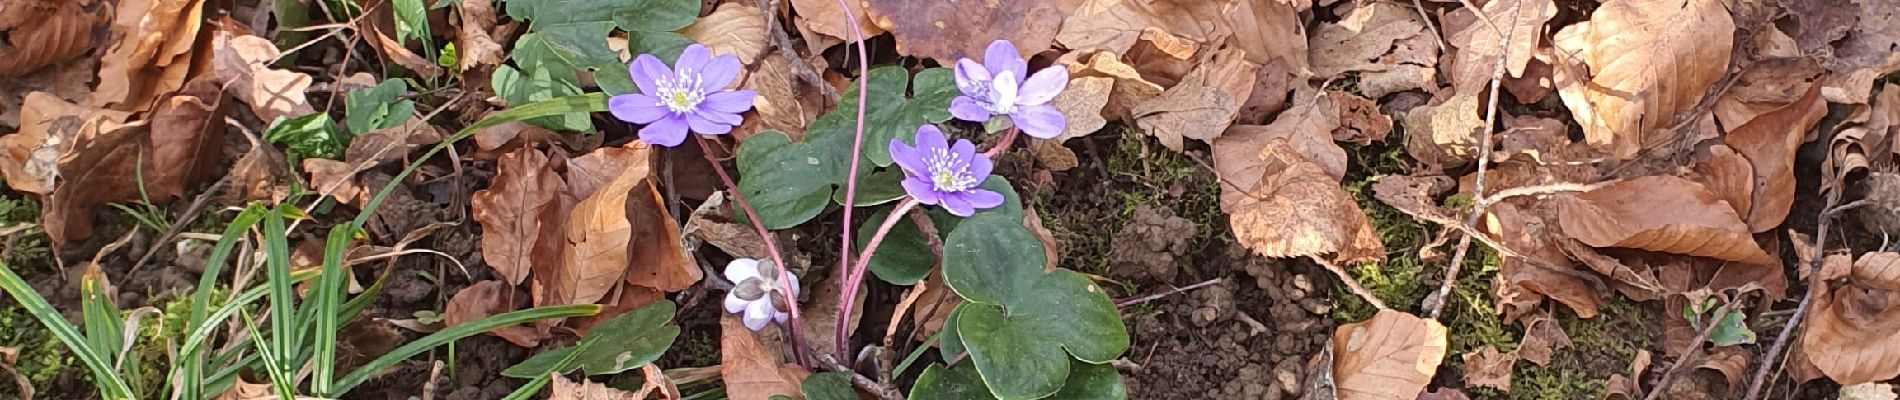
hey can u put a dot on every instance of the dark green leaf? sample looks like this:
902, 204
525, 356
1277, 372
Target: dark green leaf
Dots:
828, 386
951, 345
412, 20
889, 114
904, 257
654, 15
313, 135
1086, 382
516, 88
877, 188
378, 107
783, 180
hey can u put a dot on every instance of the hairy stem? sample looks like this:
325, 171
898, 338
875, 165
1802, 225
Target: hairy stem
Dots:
856, 278
771, 246
851, 179
1002, 145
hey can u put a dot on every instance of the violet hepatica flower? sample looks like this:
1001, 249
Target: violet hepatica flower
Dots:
1001, 85
938, 173
756, 294
690, 96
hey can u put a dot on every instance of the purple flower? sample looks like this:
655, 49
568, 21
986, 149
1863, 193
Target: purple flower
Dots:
938, 173
756, 294
997, 87
691, 95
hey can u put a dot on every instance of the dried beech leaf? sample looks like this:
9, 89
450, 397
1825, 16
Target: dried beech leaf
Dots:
1489, 368
1730, 176
946, 31
1414, 195
655, 245
734, 28
1646, 60
1129, 88
242, 63
1297, 209
1116, 25
48, 125
486, 298
563, 389
1081, 104
1867, 54
751, 371
1446, 134
1542, 271
42, 33
401, 55
1636, 284
1392, 356
825, 16
1769, 141
1202, 105
1660, 213
1879, 270
1386, 43
338, 179
595, 255
474, 43
511, 212
153, 55
1542, 337
784, 104
1851, 336
1478, 44
1305, 127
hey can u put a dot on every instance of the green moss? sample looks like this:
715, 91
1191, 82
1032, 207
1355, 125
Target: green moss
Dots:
41, 355
30, 252
1399, 281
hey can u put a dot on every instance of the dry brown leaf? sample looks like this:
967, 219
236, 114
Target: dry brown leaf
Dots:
152, 55
711, 223
485, 298
48, 126
1082, 103
254, 176
733, 28
826, 17
1051, 249
9, 363
336, 178
1646, 60
1621, 386
933, 307
946, 31
1385, 43
1712, 375
1769, 141
1868, 391
102, 161
1638, 284
1542, 337
1879, 270
242, 64
186, 140
563, 389
595, 255
1478, 44
1489, 368
41, 33
1866, 55
1414, 195
511, 212
1297, 210
1660, 213
1116, 25
1202, 105
1850, 337
1730, 176
1446, 134
388, 145
1306, 128
473, 43
751, 371
1129, 87
1360, 121
785, 103
1538, 81
1542, 271
1391, 356
655, 245
1768, 85
396, 52
821, 319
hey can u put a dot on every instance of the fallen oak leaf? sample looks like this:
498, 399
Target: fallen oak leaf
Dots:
1391, 356
1659, 213
1646, 60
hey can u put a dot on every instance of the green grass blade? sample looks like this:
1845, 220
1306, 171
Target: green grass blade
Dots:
280, 379
198, 335
283, 297
363, 373
110, 386
329, 288
192, 380
534, 386
104, 324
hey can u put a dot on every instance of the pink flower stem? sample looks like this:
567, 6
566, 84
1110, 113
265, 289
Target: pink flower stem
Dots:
850, 292
851, 184
1002, 145
771, 246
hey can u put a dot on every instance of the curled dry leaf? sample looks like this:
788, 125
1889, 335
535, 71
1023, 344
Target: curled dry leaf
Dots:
9, 363
243, 62
751, 371
1306, 128
733, 28
785, 103
1445, 135
1711, 374
825, 17
1129, 87
1850, 338
48, 126
1116, 25
1866, 55
42, 32
1478, 44
1868, 391
486, 298
1489, 368
1646, 60
153, 55
474, 44
1386, 43
563, 389
1295, 208
1879, 270
1660, 213
1541, 270
1202, 105
401, 55
1621, 386
512, 211
1542, 336
1769, 141
1637, 283
338, 179
946, 31
1730, 176
1392, 356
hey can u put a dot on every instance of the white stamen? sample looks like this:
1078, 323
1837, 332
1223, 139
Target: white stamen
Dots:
948, 172
680, 93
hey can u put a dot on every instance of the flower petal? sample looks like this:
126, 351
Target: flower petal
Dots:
1005, 89
969, 109
741, 269
929, 138
721, 117
907, 158
982, 199
1043, 86
972, 78
1041, 122
1002, 57
757, 313
980, 168
792, 279
706, 126
722, 70
693, 59
730, 102
781, 316
734, 304
645, 69
636, 108
964, 150
920, 188
666, 132
957, 205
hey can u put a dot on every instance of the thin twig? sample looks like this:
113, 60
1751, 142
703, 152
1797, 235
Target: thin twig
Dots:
1501, 195
1170, 292
1439, 298
1801, 311
191, 214
882, 391
1437, 35
1351, 284
1695, 344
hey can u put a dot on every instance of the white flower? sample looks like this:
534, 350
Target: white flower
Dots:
756, 294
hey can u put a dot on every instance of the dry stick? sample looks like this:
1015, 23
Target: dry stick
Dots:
1801, 311
1438, 299
1695, 344
1351, 284
191, 214
1170, 292
852, 278
771, 246
882, 391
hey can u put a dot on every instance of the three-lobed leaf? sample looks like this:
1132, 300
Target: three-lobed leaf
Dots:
1086, 382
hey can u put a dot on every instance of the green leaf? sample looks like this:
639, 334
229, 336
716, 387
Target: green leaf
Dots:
783, 180
904, 257
1086, 382
879, 187
951, 345
516, 88
1020, 318
625, 342
1732, 330
378, 107
655, 15
1012, 206
313, 135
828, 386
108, 382
889, 114
412, 20
570, 36
448, 59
